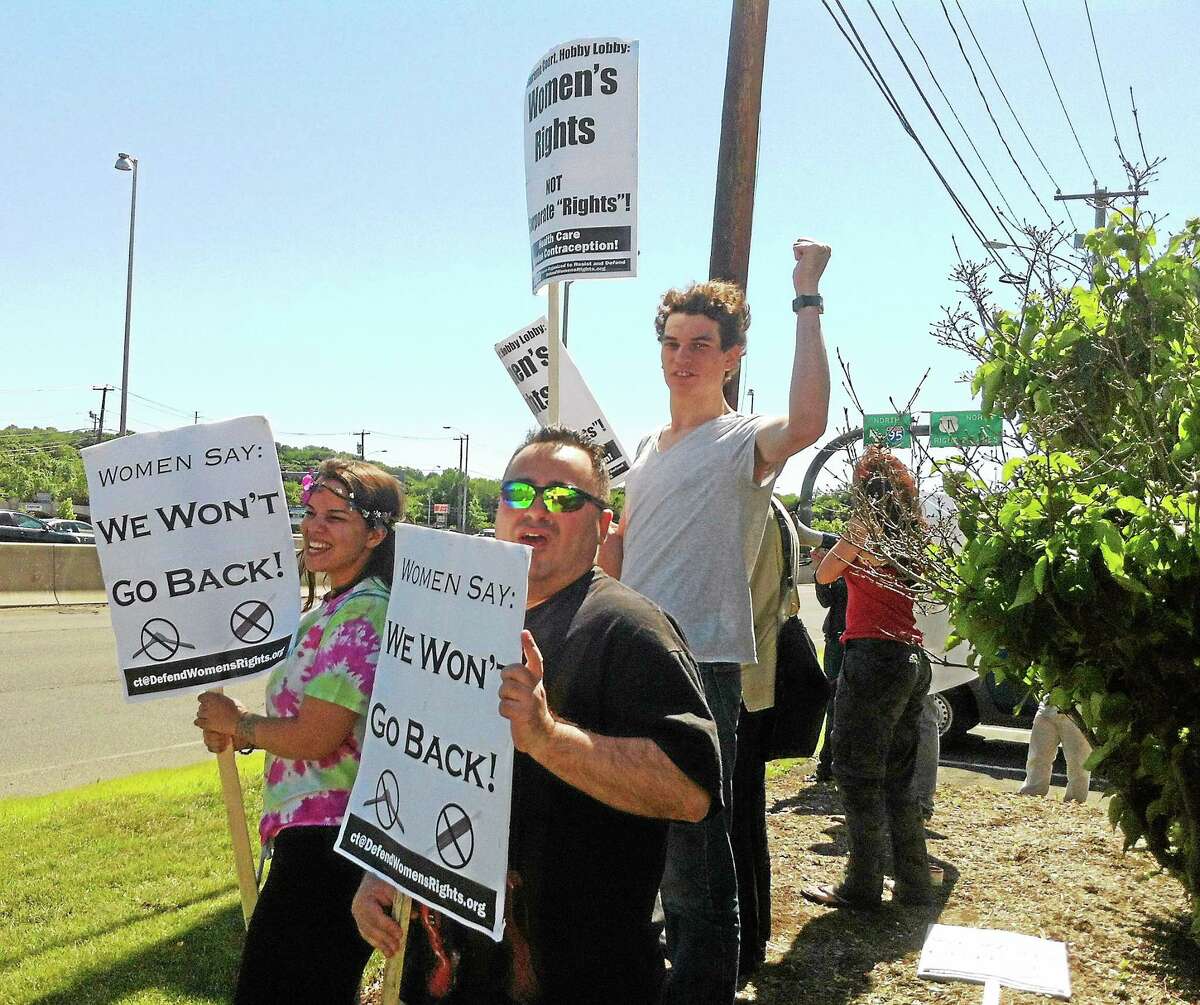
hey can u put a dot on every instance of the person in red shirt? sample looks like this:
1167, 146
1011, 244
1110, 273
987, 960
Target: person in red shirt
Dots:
882, 689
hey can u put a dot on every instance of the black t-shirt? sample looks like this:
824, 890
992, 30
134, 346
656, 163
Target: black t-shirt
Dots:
614, 664
583, 876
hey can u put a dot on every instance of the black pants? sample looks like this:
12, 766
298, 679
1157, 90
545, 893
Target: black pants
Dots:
302, 944
748, 833
880, 697
833, 670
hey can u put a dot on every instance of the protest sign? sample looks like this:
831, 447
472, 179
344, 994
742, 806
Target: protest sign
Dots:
581, 134
429, 811
991, 956
195, 545
525, 354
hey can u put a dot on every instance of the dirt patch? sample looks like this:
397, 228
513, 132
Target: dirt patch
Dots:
1035, 866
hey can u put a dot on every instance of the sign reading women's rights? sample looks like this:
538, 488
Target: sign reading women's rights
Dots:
526, 356
195, 545
581, 134
429, 811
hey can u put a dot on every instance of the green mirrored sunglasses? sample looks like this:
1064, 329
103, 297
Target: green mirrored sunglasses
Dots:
557, 496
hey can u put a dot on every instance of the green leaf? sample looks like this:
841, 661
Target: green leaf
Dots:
1127, 582
1098, 755
1011, 466
1130, 504
1112, 546
1039, 573
1116, 806
1025, 591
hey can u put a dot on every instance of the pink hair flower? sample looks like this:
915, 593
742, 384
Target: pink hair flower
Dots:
306, 485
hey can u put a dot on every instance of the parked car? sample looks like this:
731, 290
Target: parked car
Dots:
81, 532
21, 528
982, 700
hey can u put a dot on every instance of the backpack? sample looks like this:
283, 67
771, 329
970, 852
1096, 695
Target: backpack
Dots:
792, 726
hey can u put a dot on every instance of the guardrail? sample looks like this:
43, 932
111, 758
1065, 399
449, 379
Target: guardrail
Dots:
38, 575
51, 575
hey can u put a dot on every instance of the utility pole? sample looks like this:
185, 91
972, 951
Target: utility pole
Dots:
466, 478
103, 389
196, 418
362, 443
750, 393
464, 456
1101, 199
737, 161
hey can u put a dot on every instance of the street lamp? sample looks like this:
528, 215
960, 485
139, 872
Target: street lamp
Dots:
464, 451
125, 162
1012, 278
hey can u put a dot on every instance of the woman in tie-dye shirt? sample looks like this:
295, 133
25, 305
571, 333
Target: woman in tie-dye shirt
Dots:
302, 944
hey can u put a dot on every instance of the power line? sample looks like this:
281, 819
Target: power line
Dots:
868, 63
1008, 104
1103, 82
937, 84
42, 390
160, 405
1062, 104
986, 105
929, 108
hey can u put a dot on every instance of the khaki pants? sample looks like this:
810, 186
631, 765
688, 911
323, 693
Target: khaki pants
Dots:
1051, 728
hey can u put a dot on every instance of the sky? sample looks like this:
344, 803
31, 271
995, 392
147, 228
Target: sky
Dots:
331, 220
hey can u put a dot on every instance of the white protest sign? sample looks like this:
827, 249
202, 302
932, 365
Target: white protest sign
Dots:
195, 545
430, 808
987, 955
581, 165
525, 355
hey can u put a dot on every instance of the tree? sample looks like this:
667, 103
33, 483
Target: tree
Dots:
1079, 569
831, 510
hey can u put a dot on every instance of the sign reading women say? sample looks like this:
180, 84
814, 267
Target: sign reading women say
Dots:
430, 807
195, 545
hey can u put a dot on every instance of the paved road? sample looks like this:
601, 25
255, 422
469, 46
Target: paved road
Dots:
63, 717
64, 722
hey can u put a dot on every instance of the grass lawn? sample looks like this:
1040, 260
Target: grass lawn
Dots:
122, 891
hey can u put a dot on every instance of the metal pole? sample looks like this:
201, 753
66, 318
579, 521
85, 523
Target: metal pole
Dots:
466, 480
128, 303
737, 161
566, 310
1101, 207
552, 319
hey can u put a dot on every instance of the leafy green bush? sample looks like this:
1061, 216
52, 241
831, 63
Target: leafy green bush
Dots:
1079, 571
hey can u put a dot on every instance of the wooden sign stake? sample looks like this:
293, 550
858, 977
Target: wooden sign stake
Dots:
239, 832
393, 970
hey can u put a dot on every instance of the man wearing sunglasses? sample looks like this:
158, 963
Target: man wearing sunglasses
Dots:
614, 740
696, 502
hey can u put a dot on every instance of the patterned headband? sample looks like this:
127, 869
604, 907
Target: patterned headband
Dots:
312, 482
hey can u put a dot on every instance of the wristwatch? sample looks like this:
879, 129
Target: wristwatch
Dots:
809, 300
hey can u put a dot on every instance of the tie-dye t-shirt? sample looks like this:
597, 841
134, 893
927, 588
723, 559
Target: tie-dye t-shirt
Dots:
333, 658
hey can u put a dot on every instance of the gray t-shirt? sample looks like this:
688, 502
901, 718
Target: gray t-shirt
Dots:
694, 519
